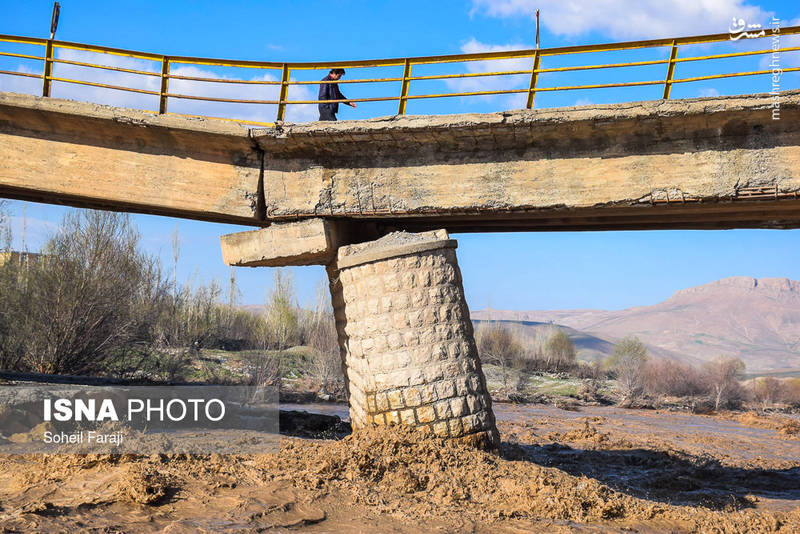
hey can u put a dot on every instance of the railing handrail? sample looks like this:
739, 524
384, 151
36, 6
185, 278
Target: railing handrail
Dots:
407, 63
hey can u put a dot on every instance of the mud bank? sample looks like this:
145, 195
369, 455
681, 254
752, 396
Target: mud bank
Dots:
555, 471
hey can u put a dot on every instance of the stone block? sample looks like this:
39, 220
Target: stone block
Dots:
308, 242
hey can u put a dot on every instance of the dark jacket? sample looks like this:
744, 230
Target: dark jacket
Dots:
330, 91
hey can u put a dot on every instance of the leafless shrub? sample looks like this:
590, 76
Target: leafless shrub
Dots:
628, 361
722, 376
326, 364
80, 300
791, 392
767, 391
498, 345
282, 318
263, 368
671, 378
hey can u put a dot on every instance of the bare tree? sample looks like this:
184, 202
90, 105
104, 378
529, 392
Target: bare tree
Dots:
176, 253
282, 316
497, 344
326, 362
559, 351
628, 361
722, 376
767, 391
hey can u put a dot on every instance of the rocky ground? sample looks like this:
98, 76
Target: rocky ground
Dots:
598, 469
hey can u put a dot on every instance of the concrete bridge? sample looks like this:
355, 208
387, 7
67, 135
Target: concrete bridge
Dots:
333, 193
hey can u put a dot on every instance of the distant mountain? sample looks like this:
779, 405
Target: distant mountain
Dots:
755, 320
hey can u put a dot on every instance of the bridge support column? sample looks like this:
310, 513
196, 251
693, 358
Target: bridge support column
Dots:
407, 340
405, 336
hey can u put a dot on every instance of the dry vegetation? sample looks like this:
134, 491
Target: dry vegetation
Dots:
93, 303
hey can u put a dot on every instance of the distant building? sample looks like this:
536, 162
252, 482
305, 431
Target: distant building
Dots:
26, 259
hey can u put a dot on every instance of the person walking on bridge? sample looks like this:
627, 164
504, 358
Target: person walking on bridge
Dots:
330, 91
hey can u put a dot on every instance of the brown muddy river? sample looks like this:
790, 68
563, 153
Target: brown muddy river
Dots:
599, 469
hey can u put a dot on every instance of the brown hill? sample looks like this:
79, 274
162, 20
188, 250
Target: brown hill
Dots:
755, 320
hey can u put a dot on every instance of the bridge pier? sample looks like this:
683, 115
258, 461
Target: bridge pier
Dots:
405, 336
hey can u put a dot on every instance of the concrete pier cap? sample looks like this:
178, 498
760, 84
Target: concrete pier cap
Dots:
405, 336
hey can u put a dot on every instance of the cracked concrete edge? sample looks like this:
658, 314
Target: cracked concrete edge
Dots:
121, 115
525, 117
264, 137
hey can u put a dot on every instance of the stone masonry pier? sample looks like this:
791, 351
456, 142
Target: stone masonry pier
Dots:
407, 340
405, 335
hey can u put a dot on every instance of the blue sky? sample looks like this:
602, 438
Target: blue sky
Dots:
516, 271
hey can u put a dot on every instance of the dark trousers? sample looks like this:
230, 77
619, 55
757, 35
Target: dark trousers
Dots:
326, 112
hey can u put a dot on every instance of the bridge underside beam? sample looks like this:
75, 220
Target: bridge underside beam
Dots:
87, 155
698, 163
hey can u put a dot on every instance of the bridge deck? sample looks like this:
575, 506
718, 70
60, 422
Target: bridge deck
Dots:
702, 163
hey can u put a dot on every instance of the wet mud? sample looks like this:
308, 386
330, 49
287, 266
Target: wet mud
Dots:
597, 469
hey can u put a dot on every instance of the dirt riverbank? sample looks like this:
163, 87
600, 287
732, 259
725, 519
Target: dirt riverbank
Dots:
594, 470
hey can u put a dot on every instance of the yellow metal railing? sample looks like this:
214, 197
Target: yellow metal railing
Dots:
164, 63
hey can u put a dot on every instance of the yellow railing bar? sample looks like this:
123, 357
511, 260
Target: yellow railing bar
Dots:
103, 85
25, 74
164, 86
24, 56
225, 80
472, 75
732, 75
104, 67
373, 99
673, 55
219, 99
226, 63
48, 68
605, 66
359, 80
285, 75
357, 64
401, 106
22, 40
737, 54
537, 58
107, 50
598, 86
471, 93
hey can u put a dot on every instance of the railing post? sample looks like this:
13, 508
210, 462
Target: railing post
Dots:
673, 54
284, 92
162, 103
534, 76
401, 109
48, 68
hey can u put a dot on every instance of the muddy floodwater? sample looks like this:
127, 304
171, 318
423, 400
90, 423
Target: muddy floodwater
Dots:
597, 469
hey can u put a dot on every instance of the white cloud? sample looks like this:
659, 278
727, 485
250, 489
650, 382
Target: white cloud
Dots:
21, 84
254, 112
708, 92
583, 102
623, 19
494, 83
